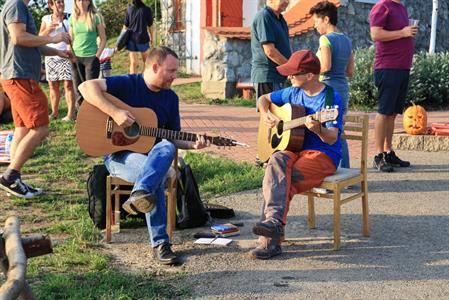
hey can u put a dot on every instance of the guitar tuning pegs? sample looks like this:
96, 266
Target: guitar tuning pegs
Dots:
336, 106
327, 107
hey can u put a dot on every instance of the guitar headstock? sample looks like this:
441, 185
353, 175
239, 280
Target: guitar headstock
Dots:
328, 114
226, 142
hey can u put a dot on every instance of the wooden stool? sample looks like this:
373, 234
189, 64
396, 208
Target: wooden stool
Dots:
114, 188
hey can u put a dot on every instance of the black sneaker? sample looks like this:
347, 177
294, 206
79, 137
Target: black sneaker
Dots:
165, 255
17, 188
35, 191
395, 161
380, 164
140, 201
270, 228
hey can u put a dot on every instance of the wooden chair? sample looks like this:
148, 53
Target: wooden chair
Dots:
115, 188
355, 128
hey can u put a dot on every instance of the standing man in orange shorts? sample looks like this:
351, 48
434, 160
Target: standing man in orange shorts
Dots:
20, 63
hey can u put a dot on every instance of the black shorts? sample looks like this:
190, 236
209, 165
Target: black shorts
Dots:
392, 85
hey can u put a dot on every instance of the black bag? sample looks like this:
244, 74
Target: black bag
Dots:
123, 39
190, 211
96, 192
218, 211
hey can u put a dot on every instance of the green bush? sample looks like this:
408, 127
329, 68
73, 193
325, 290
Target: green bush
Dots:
429, 80
362, 91
113, 13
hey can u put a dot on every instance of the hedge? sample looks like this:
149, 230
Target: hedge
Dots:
429, 80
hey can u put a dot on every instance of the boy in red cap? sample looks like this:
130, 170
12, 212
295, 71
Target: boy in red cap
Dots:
289, 173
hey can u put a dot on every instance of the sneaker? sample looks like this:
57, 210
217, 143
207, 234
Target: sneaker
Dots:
35, 191
380, 164
395, 161
140, 201
17, 188
165, 255
267, 248
270, 228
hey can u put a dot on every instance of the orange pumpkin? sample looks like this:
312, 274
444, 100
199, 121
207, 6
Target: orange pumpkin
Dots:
415, 120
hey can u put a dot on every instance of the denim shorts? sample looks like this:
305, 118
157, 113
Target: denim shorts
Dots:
392, 85
135, 47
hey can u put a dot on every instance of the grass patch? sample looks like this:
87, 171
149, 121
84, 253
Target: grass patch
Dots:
222, 176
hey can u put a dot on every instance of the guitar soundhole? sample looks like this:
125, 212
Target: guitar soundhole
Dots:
277, 137
280, 128
133, 130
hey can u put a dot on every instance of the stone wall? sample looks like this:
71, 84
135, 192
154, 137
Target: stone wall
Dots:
226, 62
353, 21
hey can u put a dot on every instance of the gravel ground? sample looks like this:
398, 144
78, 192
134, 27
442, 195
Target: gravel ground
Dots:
405, 257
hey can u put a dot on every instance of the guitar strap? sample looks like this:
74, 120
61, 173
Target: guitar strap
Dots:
329, 102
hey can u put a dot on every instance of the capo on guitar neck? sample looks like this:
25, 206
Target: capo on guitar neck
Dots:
109, 127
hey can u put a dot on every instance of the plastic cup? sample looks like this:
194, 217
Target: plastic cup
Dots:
413, 22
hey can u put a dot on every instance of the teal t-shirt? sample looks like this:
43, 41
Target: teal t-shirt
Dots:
313, 104
268, 28
84, 40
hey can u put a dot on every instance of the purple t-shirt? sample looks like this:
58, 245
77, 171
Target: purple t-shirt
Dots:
396, 54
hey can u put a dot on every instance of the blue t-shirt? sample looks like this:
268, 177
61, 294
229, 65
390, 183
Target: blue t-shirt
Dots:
313, 104
132, 90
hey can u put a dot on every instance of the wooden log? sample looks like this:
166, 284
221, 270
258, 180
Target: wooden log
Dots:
37, 245
14, 266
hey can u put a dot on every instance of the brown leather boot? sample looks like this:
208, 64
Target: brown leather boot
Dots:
267, 248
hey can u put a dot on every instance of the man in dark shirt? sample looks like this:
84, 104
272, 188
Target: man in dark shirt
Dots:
270, 47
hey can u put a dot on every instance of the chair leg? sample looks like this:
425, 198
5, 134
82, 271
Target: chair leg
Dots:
365, 213
108, 209
337, 211
171, 207
311, 216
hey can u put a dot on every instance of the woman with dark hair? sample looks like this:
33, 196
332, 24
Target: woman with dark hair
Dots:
58, 70
139, 20
336, 58
85, 26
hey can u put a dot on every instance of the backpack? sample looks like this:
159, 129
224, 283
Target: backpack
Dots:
96, 193
190, 211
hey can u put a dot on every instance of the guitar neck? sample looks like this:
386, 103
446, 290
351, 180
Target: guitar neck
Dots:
301, 121
171, 134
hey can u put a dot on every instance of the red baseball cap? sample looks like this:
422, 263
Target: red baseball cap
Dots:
303, 61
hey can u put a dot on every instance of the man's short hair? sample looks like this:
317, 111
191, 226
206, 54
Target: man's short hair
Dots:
159, 54
325, 9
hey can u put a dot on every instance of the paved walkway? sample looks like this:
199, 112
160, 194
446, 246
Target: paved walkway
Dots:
241, 124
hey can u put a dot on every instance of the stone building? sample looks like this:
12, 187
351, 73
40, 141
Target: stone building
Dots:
212, 36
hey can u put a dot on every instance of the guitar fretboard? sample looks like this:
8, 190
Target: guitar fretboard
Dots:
300, 121
174, 135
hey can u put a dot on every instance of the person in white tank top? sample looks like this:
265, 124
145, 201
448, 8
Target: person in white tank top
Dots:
58, 69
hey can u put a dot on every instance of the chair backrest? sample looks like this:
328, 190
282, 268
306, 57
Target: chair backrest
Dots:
356, 128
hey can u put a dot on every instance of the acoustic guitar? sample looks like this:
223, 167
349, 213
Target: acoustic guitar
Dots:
289, 133
97, 134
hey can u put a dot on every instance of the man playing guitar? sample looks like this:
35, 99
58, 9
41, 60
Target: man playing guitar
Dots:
151, 90
287, 172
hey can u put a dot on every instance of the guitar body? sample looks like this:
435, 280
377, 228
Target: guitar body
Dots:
270, 140
93, 126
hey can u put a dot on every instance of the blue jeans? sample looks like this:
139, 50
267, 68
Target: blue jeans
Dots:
148, 173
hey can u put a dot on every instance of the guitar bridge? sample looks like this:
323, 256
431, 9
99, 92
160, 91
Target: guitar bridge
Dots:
109, 127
